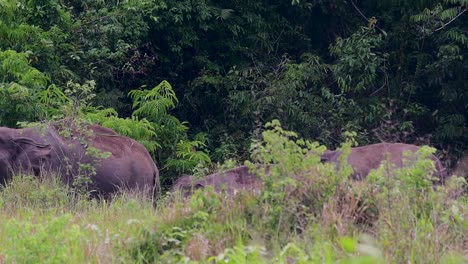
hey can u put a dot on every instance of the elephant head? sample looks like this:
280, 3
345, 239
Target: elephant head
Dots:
186, 185
228, 181
330, 156
20, 153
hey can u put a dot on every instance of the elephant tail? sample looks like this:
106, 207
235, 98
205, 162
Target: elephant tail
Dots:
441, 171
156, 185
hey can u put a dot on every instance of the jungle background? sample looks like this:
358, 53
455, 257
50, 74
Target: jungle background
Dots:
197, 82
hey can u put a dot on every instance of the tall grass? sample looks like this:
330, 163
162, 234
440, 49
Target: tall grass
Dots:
306, 212
44, 221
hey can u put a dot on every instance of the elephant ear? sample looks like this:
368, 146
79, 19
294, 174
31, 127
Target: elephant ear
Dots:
30, 154
329, 156
198, 186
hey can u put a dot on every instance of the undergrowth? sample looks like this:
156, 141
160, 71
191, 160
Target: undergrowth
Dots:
306, 212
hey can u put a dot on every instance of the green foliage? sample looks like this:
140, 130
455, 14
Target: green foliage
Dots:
292, 92
431, 20
20, 84
15, 68
112, 43
80, 95
181, 154
141, 130
242, 254
41, 29
52, 99
192, 226
155, 102
396, 216
236, 65
308, 212
188, 157
153, 126
359, 60
420, 208
296, 186
154, 105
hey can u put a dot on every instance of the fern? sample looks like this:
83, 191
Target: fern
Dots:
188, 156
430, 21
458, 2
140, 130
449, 13
153, 126
154, 102
457, 36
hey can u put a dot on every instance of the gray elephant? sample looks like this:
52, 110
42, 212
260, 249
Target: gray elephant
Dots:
366, 158
75, 149
461, 168
229, 181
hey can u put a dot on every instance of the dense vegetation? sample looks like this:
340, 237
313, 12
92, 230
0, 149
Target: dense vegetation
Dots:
225, 68
306, 212
196, 82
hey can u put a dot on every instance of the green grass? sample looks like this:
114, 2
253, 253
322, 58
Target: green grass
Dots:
306, 212
45, 222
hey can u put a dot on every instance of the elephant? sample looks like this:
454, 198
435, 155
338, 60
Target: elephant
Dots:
186, 184
362, 160
366, 158
461, 168
230, 181
73, 150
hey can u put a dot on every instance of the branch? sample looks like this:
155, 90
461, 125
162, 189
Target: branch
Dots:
359, 11
451, 20
381, 87
352, 2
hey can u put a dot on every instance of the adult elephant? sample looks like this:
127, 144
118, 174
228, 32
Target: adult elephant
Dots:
78, 151
366, 158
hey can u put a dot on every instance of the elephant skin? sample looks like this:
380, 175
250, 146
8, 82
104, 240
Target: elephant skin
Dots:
66, 150
229, 181
366, 158
461, 168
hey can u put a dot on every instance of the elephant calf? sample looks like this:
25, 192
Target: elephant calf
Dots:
366, 158
229, 181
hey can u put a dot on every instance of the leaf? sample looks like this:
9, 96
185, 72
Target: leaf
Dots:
349, 244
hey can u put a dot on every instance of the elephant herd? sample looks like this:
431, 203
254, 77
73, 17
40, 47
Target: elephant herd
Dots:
114, 162
362, 160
